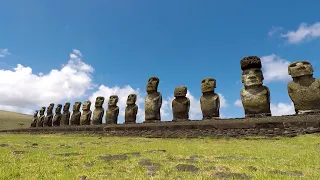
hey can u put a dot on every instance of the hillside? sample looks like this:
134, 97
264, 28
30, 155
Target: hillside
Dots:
13, 120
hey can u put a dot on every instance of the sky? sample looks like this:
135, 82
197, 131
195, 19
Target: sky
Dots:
59, 51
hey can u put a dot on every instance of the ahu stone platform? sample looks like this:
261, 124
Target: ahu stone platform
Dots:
289, 126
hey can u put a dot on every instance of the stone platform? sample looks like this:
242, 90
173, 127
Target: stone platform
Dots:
240, 127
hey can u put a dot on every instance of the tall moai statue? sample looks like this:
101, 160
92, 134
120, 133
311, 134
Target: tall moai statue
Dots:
255, 96
209, 101
85, 118
41, 117
65, 116
181, 104
76, 114
57, 117
49, 117
130, 115
304, 89
98, 112
35, 119
153, 101
113, 110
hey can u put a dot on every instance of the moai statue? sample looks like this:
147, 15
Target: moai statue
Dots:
41, 117
209, 101
113, 110
153, 101
255, 97
85, 118
131, 109
57, 117
181, 104
304, 90
35, 119
98, 111
48, 119
76, 114
65, 116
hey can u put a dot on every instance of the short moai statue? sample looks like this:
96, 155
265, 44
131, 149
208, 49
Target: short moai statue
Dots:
304, 89
98, 112
131, 109
76, 114
181, 104
209, 101
113, 110
153, 101
65, 116
57, 117
255, 96
85, 118
41, 117
35, 119
48, 119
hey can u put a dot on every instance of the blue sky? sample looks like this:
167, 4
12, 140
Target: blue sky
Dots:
119, 44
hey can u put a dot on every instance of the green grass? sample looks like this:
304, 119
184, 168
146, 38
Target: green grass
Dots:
12, 120
40, 159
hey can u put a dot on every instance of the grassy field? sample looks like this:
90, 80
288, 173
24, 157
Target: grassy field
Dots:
12, 120
61, 156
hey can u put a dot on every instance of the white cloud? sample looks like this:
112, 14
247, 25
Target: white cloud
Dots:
4, 52
303, 32
274, 30
238, 103
275, 68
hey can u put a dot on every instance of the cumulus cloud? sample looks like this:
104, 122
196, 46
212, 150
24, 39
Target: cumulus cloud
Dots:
4, 52
274, 30
275, 68
304, 32
238, 103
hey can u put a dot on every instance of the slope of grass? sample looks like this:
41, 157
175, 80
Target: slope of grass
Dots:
12, 120
24, 156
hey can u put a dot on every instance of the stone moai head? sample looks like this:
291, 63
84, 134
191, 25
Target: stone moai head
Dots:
113, 100
76, 106
180, 91
99, 101
35, 114
66, 107
132, 98
208, 85
152, 85
50, 108
300, 68
86, 105
251, 71
58, 108
42, 110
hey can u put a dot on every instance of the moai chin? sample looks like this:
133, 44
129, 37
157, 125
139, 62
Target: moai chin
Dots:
49, 117
41, 117
76, 114
153, 101
57, 117
181, 104
35, 119
113, 110
209, 101
65, 116
85, 118
255, 96
304, 89
131, 109
98, 111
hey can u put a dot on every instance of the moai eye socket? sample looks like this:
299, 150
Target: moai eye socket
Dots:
293, 65
203, 81
245, 72
305, 63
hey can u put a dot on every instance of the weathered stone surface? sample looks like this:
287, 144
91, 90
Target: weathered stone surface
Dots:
304, 89
153, 101
48, 118
35, 119
113, 110
41, 117
255, 97
65, 117
98, 111
131, 109
181, 104
209, 101
57, 117
76, 114
85, 118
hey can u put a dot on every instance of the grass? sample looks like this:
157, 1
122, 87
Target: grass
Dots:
25, 156
12, 120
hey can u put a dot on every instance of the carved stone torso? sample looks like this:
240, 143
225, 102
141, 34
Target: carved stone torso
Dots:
209, 106
112, 115
56, 120
256, 102
48, 120
34, 122
85, 118
65, 117
75, 118
131, 113
40, 121
180, 108
152, 106
97, 116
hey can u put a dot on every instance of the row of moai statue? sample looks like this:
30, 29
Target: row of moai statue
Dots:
304, 91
